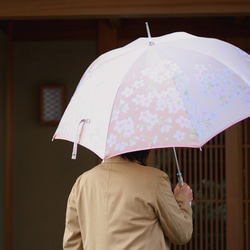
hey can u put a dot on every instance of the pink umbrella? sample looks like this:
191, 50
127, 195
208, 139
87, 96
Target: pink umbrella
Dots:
176, 90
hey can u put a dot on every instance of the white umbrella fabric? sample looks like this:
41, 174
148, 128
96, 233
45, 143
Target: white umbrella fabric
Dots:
177, 90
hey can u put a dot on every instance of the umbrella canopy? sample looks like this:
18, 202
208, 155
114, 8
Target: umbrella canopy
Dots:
177, 90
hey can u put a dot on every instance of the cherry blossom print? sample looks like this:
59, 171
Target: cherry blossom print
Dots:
228, 73
238, 93
155, 139
174, 102
220, 86
179, 136
208, 84
138, 84
142, 100
161, 103
166, 128
203, 121
183, 122
194, 135
125, 127
127, 92
181, 91
125, 108
174, 67
247, 97
182, 83
225, 101
121, 146
166, 125
121, 107
148, 119
115, 114
111, 141
162, 72
132, 142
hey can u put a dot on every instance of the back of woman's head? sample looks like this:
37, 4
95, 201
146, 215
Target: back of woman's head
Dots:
137, 156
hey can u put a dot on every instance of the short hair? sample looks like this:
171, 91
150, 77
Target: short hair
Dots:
137, 156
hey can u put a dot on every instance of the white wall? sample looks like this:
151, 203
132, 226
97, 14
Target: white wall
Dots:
43, 172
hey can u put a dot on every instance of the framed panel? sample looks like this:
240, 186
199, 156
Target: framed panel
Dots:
52, 103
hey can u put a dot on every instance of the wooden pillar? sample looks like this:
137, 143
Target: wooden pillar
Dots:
9, 141
107, 35
151, 158
234, 188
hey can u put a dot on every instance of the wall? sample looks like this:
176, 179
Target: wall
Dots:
26, 9
43, 172
3, 44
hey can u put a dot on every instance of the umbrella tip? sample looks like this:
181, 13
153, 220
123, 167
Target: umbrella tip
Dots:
149, 35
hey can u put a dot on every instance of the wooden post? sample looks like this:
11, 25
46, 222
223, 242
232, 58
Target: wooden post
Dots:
9, 140
151, 158
107, 35
234, 188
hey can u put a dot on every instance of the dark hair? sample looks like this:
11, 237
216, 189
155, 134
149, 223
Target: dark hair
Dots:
139, 156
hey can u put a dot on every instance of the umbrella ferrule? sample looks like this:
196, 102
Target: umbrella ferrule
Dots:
149, 35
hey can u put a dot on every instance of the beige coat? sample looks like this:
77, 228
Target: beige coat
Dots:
120, 205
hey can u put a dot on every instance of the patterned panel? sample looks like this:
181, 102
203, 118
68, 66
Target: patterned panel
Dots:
52, 104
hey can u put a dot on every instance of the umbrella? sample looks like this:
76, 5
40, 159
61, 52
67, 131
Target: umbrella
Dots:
176, 90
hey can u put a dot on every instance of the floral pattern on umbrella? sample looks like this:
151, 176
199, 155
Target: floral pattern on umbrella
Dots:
158, 104
179, 92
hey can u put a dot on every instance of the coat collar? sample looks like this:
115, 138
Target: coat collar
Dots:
117, 158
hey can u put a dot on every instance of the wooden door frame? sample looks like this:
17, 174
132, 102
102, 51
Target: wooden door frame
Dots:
8, 144
234, 187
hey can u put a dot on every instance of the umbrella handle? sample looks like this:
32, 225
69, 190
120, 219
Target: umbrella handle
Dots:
181, 183
179, 175
180, 179
78, 136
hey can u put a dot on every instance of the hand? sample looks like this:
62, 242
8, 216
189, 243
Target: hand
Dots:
185, 189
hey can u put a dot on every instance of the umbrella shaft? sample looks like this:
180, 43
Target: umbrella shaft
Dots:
179, 175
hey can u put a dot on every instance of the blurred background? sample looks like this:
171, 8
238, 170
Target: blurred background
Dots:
51, 44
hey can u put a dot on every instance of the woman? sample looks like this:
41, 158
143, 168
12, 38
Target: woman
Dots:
121, 204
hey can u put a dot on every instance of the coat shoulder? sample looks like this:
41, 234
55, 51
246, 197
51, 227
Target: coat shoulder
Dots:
156, 171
